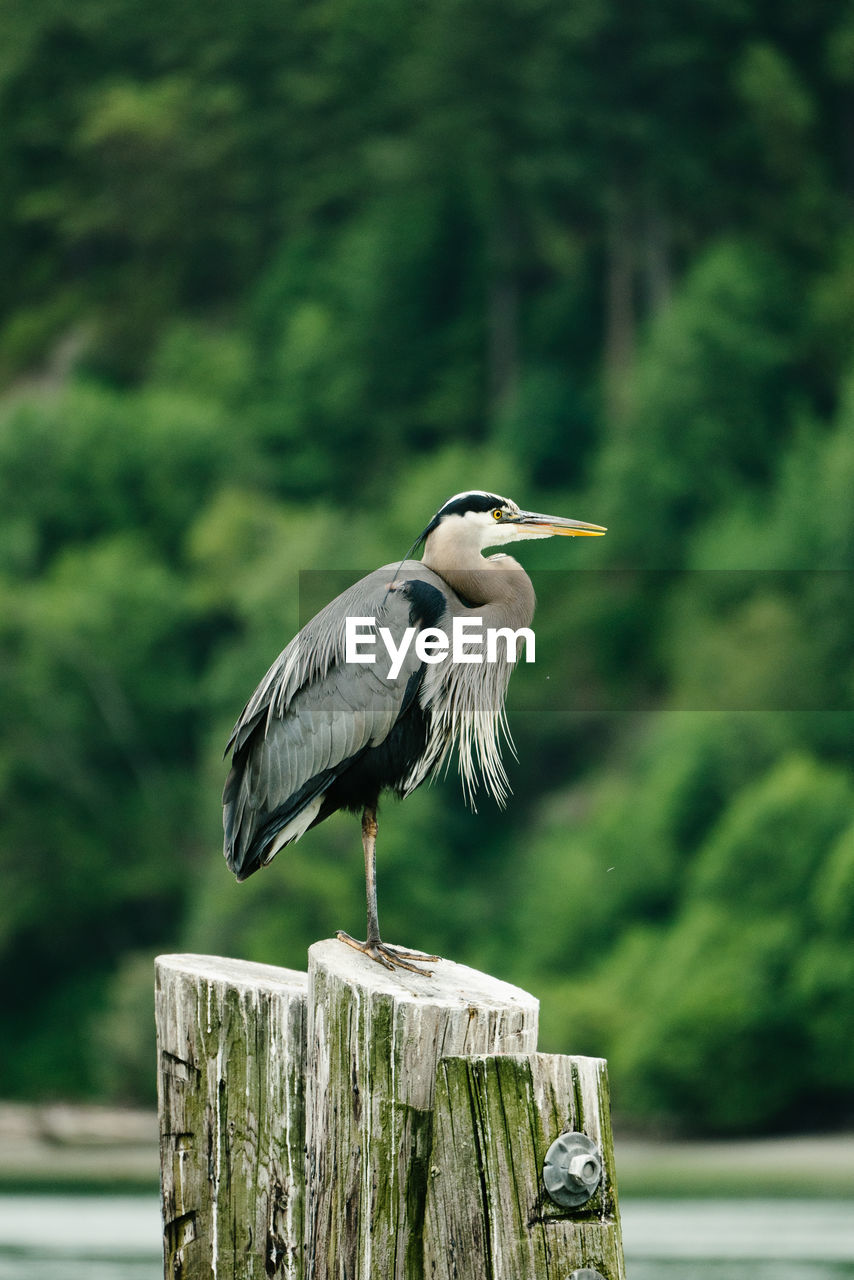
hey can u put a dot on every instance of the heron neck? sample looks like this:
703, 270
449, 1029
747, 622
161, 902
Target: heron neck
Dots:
495, 587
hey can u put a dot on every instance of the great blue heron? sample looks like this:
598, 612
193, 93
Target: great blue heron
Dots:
321, 733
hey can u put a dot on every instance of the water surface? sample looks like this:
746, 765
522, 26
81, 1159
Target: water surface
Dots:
731, 1239
118, 1238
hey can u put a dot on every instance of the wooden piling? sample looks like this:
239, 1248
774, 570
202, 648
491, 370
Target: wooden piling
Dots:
488, 1211
361, 1124
374, 1042
231, 1086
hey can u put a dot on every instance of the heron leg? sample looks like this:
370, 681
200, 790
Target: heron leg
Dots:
369, 844
384, 953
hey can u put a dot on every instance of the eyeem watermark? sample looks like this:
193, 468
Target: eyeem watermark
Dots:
466, 643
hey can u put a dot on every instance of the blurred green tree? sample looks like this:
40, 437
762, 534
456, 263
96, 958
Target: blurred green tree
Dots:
275, 280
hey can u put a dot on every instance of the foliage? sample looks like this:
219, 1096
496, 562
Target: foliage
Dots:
275, 281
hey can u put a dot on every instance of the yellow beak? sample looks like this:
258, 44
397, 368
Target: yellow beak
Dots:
559, 525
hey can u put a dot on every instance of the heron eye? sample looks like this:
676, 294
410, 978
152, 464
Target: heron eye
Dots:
497, 513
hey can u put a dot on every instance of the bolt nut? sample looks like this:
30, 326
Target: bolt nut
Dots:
585, 1273
572, 1170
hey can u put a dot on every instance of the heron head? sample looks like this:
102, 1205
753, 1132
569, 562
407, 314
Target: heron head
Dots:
477, 520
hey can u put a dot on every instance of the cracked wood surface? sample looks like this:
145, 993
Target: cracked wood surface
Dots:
231, 1046
374, 1041
488, 1215
360, 1124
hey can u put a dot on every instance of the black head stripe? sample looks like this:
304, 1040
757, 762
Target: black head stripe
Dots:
460, 505
470, 502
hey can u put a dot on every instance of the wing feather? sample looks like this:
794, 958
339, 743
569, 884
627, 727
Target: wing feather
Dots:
311, 716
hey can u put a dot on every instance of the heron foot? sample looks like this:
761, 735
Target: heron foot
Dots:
389, 956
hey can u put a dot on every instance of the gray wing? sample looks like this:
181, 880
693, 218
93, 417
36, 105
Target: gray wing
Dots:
313, 715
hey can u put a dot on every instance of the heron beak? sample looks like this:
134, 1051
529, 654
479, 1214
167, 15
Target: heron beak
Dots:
549, 525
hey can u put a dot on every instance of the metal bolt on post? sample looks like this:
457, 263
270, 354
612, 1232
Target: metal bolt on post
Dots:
572, 1170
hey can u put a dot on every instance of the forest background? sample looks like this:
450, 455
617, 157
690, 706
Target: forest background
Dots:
276, 279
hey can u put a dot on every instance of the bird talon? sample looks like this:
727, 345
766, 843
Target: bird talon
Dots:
420, 957
388, 956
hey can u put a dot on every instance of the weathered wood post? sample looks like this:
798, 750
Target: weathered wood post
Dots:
495, 1120
231, 1090
374, 1042
359, 1124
